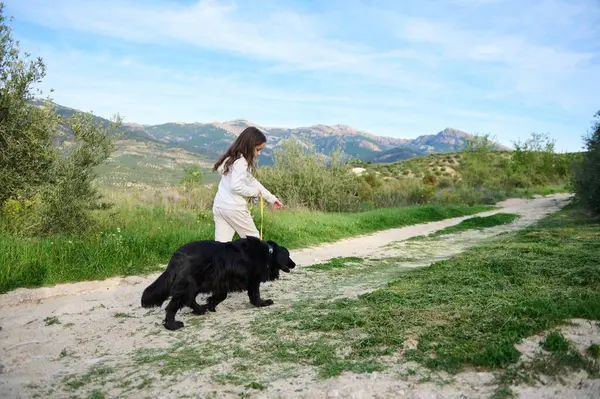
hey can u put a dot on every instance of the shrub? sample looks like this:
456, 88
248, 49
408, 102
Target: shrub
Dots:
444, 183
586, 180
44, 189
193, 177
429, 179
26, 150
301, 177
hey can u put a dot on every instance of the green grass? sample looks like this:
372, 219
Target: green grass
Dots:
594, 351
542, 190
562, 359
555, 342
296, 229
475, 223
135, 240
335, 263
469, 310
176, 358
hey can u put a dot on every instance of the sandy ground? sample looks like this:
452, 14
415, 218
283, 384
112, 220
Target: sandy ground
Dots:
78, 340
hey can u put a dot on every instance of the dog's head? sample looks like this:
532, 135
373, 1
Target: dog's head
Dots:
276, 257
280, 257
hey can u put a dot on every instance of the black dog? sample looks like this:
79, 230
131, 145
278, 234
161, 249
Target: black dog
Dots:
217, 268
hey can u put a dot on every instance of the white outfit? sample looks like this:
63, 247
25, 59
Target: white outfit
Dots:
230, 208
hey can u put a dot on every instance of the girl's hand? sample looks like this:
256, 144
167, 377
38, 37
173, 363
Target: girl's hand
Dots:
277, 205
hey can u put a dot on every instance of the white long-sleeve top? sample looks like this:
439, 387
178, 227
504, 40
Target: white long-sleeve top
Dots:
237, 185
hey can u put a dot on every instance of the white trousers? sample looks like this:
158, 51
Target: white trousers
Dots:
228, 221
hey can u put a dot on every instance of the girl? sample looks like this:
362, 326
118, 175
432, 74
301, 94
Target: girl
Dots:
230, 209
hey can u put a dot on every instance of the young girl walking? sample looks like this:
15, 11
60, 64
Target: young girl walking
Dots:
230, 209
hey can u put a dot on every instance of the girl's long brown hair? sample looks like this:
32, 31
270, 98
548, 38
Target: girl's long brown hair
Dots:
244, 145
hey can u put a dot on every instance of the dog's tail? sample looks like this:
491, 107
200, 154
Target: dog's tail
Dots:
157, 292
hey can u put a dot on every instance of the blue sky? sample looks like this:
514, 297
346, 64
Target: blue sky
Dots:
389, 67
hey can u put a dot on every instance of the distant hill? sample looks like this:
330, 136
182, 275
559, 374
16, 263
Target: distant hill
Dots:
202, 143
211, 139
448, 140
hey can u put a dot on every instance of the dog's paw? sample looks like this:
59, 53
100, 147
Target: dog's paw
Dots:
199, 311
176, 325
267, 302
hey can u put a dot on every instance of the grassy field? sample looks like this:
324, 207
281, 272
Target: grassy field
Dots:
134, 240
469, 310
137, 164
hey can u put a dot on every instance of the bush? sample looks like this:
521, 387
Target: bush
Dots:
586, 180
44, 189
26, 151
301, 177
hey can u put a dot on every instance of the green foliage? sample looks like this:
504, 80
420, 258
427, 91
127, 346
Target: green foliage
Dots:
469, 310
534, 163
26, 151
555, 342
594, 351
301, 177
476, 168
130, 240
43, 190
67, 202
193, 177
586, 180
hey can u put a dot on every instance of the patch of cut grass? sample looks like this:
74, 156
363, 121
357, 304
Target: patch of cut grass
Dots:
555, 342
469, 310
51, 320
120, 315
555, 365
335, 263
474, 223
594, 351
134, 240
177, 358
96, 373
256, 385
97, 394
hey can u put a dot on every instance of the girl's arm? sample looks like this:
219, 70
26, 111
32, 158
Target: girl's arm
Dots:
270, 198
238, 173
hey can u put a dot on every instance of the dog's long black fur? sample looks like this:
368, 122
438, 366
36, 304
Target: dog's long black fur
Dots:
216, 268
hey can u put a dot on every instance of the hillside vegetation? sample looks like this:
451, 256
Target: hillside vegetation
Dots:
477, 175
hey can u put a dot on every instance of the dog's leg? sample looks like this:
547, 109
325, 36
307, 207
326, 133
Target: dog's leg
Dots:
211, 304
182, 294
198, 309
174, 305
254, 295
214, 300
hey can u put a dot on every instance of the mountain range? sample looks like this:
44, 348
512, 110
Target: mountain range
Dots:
209, 140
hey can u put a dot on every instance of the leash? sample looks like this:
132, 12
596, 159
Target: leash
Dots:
262, 212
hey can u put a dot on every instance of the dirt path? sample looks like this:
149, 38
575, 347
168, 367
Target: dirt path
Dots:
92, 339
